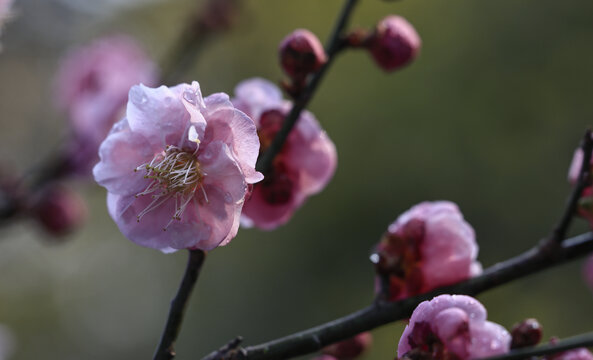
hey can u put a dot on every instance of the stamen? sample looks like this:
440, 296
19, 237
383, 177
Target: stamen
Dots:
174, 173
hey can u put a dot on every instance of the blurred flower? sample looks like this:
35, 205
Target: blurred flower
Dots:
428, 246
59, 210
588, 271
394, 44
301, 53
350, 348
303, 167
452, 327
5, 13
526, 333
575, 354
177, 168
92, 85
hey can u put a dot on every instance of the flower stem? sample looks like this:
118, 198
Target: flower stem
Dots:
333, 47
165, 350
583, 340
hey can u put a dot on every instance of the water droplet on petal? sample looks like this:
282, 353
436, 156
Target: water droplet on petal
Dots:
190, 96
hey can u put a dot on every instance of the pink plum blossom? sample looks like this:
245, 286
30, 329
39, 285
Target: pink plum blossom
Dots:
452, 327
303, 167
428, 246
92, 86
177, 168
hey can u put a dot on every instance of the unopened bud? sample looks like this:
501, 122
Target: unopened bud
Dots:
526, 333
395, 43
350, 348
59, 210
301, 54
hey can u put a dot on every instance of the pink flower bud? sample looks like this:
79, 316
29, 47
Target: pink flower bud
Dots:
59, 210
452, 327
526, 333
350, 348
394, 43
428, 246
301, 54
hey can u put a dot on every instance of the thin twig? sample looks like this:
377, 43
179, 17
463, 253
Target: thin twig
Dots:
381, 313
333, 47
584, 179
165, 350
225, 349
214, 17
583, 340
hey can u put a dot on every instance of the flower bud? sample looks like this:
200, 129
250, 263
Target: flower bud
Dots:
59, 210
526, 333
350, 348
394, 43
301, 54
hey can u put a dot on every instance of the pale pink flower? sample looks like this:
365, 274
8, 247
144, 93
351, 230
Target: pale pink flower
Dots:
177, 168
395, 43
588, 272
428, 246
92, 87
452, 325
575, 354
304, 166
350, 348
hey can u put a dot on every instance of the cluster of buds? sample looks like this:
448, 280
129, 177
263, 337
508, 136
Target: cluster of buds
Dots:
393, 44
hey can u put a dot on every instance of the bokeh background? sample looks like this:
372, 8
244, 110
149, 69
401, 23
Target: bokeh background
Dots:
488, 117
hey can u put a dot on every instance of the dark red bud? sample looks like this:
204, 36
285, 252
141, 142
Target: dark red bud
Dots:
301, 54
526, 333
395, 43
59, 210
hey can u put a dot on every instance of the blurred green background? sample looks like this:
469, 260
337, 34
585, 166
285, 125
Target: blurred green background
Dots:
488, 117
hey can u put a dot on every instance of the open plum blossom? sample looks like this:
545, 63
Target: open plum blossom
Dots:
177, 168
428, 246
452, 327
302, 168
92, 85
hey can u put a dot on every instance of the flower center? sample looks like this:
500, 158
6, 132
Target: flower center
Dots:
174, 173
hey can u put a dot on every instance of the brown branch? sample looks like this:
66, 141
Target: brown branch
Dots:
165, 350
333, 47
381, 313
583, 180
583, 340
